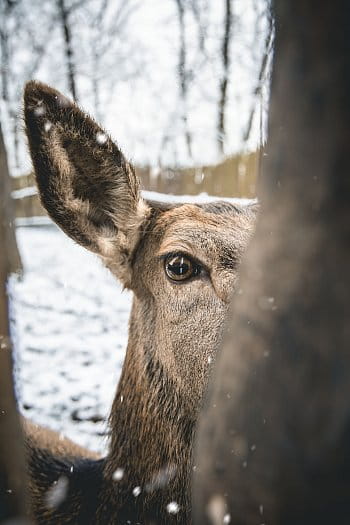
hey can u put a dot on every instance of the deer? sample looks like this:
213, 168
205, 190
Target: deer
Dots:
181, 263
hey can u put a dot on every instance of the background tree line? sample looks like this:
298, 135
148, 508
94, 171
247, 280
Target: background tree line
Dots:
167, 78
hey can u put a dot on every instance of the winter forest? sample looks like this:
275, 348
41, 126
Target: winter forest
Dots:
173, 262
177, 82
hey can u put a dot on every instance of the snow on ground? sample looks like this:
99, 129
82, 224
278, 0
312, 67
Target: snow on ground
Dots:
70, 319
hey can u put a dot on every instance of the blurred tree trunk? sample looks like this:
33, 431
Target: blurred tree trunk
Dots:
183, 75
225, 53
4, 61
63, 12
7, 212
5, 46
12, 467
274, 437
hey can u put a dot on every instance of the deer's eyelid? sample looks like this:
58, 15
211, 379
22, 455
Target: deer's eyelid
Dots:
179, 253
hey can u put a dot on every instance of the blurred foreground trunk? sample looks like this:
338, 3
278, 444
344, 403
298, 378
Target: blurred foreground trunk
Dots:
274, 438
12, 471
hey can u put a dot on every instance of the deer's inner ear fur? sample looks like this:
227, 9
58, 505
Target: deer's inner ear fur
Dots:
85, 183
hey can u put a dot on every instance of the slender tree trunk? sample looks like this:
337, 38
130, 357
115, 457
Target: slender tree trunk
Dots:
96, 28
7, 213
67, 35
258, 91
273, 441
12, 467
4, 61
183, 76
224, 81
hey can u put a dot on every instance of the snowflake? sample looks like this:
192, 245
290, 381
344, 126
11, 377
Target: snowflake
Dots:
172, 507
57, 492
118, 474
136, 491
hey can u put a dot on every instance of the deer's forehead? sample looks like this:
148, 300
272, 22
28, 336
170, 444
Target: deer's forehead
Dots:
191, 229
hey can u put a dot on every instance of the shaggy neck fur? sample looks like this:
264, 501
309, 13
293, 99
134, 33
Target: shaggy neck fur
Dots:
151, 436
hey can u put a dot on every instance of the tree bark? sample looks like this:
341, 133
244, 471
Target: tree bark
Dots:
273, 440
12, 467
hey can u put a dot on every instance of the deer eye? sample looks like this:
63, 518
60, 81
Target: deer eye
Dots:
180, 267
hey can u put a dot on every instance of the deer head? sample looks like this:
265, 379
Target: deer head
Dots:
181, 262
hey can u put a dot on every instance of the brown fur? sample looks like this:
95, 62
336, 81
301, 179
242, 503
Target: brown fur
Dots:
92, 193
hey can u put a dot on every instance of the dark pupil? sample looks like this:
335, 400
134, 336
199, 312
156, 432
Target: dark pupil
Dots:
179, 266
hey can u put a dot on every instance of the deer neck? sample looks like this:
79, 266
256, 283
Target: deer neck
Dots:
151, 431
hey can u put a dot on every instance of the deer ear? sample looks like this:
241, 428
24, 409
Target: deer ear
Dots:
85, 183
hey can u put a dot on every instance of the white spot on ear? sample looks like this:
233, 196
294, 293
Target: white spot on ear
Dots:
101, 138
47, 126
40, 110
62, 101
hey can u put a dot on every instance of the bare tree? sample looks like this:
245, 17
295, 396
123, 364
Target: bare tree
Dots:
198, 8
183, 74
8, 212
14, 71
273, 442
12, 469
110, 48
264, 71
224, 80
6, 10
64, 20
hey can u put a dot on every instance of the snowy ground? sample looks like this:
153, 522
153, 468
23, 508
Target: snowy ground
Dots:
70, 319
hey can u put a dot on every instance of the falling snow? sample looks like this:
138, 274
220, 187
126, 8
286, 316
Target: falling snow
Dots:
136, 491
118, 474
57, 492
172, 507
